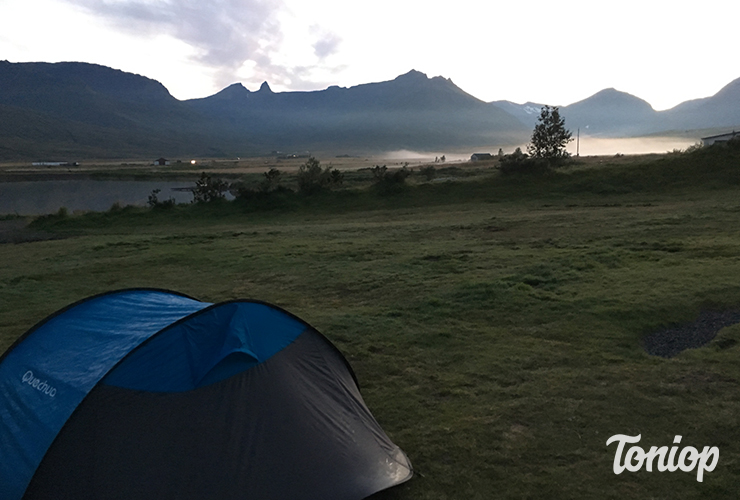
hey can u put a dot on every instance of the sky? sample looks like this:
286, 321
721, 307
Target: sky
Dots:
547, 52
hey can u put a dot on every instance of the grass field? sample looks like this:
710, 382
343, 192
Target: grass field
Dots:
494, 324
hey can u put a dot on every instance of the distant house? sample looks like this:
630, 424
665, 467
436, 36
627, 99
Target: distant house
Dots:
481, 156
708, 141
162, 161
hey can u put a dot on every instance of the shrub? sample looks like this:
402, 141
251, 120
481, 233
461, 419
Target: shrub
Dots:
208, 189
387, 180
429, 172
154, 202
513, 159
312, 178
519, 162
271, 180
336, 177
694, 147
378, 173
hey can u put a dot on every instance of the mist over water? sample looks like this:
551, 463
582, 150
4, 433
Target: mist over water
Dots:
586, 146
405, 154
598, 146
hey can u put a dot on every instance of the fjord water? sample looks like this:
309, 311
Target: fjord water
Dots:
48, 196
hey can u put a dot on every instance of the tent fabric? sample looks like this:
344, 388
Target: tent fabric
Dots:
157, 395
240, 335
45, 377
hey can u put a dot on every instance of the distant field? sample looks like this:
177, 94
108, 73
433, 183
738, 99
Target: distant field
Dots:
495, 324
592, 149
184, 168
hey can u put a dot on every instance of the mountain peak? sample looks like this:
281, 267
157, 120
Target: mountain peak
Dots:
234, 92
731, 89
235, 89
612, 97
265, 88
611, 112
412, 75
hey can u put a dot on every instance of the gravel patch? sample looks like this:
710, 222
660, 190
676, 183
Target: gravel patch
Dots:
670, 342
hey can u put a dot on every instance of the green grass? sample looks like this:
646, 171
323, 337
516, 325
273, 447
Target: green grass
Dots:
494, 324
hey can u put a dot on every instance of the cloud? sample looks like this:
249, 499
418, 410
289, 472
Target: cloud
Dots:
225, 34
326, 45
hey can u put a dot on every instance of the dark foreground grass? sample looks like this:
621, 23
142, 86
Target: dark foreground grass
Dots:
495, 326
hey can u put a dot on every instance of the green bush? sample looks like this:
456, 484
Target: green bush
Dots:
381, 175
336, 177
516, 162
208, 189
429, 172
521, 163
155, 202
312, 178
271, 180
386, 181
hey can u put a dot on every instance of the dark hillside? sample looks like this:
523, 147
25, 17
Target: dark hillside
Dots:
411, 111
82, 110
82, 92
719, 110
86, 109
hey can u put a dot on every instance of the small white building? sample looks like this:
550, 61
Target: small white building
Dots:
708, 141
161, 161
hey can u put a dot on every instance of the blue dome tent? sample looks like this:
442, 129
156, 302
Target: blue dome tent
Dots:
150, 394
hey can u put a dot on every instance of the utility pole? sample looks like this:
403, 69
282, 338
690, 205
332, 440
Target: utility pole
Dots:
578, 142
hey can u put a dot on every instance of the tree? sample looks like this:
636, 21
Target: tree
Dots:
550, 136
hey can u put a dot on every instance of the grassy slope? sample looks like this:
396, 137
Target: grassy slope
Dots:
494, 325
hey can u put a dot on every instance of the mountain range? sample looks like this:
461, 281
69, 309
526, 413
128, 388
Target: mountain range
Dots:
79, 110
611, 113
